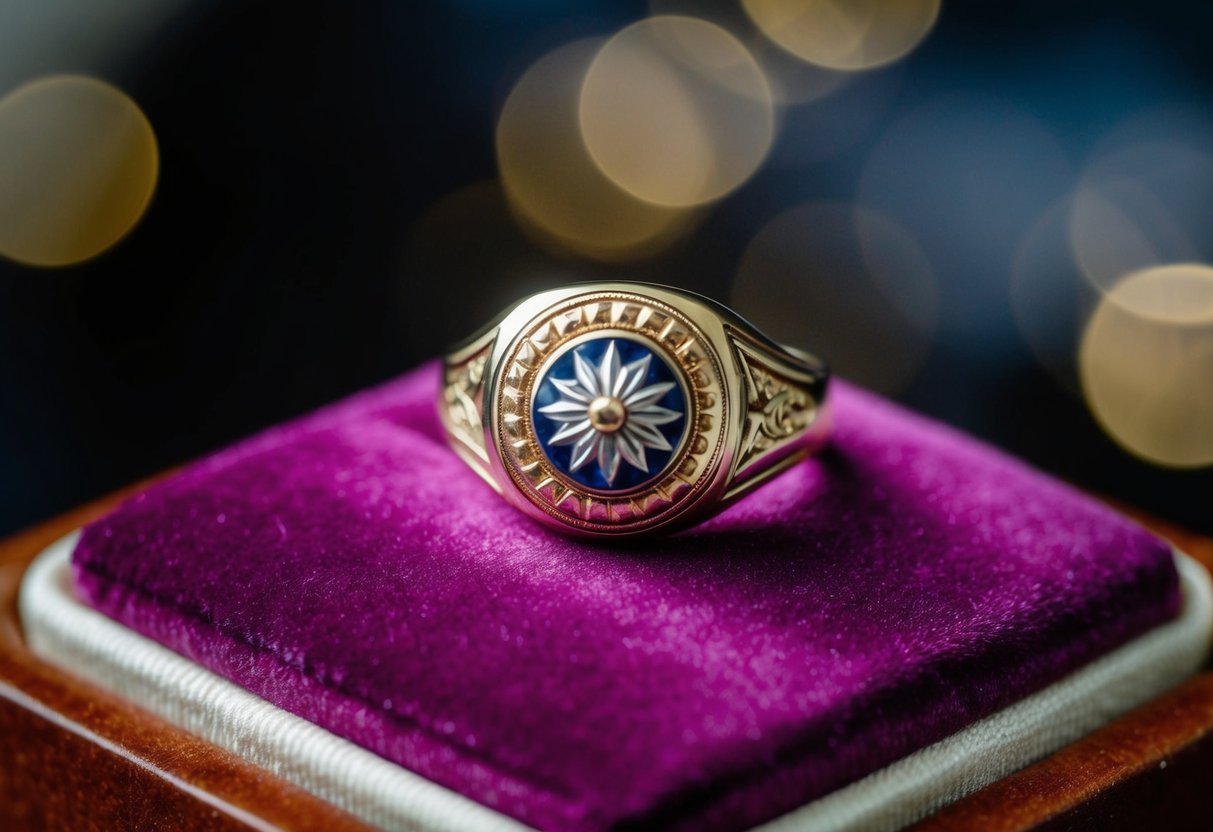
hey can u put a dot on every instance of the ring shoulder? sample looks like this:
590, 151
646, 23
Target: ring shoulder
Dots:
464, 379
783, 410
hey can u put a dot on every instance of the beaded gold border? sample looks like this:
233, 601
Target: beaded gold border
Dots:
686, 348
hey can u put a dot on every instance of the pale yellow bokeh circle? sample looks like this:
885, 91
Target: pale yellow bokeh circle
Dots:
78, 166
553, 186
676, 111
1146, 364
846, 35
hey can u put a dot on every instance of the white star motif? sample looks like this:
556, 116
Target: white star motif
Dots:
606, 414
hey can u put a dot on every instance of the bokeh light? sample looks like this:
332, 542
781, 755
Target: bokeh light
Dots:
792, 81
466, 259
552, 184
42, 37
847, 282
1146, 363
845, 34
676, 111
78, 166
1050, 299
829, 126
1142, 205
967, 176
1144, 198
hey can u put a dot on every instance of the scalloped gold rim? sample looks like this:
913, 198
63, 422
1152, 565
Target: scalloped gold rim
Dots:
676, 338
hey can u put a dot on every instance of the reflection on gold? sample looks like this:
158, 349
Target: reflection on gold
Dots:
675, 111
845, 34
78, 165
553, 185
1146, 362
1141, 206
848, 282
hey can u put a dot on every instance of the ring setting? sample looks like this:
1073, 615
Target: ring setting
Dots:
609, 414
626, 409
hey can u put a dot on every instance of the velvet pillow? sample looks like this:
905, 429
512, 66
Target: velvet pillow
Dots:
348, 568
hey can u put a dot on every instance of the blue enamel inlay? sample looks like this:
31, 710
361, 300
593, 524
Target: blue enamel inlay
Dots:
628, 476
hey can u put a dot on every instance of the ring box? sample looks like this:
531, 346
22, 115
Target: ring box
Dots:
874, 604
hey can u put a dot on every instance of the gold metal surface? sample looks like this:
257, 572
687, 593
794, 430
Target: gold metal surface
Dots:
754, 408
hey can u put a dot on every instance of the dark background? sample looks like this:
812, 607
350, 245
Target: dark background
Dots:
278, 268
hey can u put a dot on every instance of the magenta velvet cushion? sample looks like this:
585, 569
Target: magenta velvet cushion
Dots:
350, 569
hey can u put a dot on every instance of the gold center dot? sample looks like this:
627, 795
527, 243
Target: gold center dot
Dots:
607, 414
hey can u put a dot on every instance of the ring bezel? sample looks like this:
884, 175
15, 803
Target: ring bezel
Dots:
691, 471
691, 415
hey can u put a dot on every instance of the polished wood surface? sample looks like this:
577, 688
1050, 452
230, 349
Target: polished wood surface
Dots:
73, 756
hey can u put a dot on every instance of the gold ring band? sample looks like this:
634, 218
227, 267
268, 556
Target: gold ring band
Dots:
623, 409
